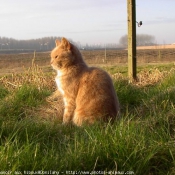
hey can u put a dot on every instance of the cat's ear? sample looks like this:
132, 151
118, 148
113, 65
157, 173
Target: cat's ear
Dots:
66, 43
57, 42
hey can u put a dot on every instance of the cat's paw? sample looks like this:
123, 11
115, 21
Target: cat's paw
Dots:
65, 121
56, 96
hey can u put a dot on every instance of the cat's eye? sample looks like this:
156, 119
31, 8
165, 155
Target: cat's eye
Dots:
56, 56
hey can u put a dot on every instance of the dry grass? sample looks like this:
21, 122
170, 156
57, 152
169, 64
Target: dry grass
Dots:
33, 75
152, 76
36, 76
146, 77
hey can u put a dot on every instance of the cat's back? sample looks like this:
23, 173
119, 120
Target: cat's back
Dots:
97, 93
96, 77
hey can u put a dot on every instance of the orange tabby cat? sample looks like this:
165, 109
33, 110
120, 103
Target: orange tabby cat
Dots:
88, 92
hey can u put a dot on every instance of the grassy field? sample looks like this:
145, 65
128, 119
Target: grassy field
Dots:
142, 142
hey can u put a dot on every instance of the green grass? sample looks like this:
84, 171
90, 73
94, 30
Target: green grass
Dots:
3, 92
124, 69
26, 97
142, 141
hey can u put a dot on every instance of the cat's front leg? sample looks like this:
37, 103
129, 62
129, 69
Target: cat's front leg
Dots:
68, 111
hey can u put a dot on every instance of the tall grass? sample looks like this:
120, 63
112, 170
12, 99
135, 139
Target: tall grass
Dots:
142, 142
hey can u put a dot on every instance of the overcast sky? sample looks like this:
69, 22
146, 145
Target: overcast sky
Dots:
86, 21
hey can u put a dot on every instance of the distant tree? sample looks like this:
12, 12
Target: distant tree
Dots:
124, 40
142, 40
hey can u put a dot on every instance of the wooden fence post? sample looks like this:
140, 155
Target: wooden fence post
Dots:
131, 8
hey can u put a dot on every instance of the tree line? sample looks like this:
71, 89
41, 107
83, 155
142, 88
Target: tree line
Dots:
43, 44
141, 40
48, 43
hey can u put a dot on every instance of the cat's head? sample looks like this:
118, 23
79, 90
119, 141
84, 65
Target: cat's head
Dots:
62, 56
